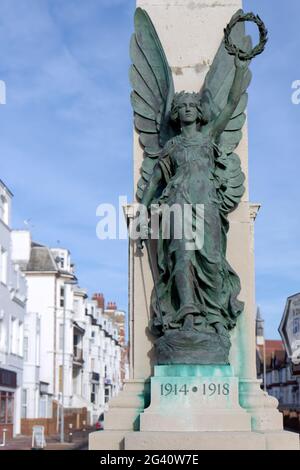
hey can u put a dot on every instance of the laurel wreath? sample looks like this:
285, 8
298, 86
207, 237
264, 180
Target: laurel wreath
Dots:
263, 36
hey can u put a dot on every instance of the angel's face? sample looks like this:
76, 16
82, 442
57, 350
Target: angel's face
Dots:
187, 109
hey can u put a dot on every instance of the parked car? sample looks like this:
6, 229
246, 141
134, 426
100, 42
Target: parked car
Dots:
100, 423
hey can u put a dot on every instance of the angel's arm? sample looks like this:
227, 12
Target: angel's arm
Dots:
236, 90
146, 200
152, 185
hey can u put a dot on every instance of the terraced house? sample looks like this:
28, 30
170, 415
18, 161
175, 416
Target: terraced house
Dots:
13, 294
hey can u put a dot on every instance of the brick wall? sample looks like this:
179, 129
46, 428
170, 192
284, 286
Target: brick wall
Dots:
78, 417
9, 431
48, 423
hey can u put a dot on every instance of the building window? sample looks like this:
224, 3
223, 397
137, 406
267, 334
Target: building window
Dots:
44, 406
2, 335
4, 209
296, 325
25, 348
20, 339
61, 336
24, 403
93, 394
3, 265
106, 394
60, 378
76, 340
14, 336
6, 407
62, 297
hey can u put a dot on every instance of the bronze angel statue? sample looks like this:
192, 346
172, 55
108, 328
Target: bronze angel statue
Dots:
189, 141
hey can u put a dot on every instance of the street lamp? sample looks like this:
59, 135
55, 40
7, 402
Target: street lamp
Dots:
265, 365
62, 417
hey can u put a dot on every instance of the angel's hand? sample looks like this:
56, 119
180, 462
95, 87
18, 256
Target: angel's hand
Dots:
240, 63
140, 244
145, 232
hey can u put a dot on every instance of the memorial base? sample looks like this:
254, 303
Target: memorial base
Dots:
280, 440
194, 408
194, 398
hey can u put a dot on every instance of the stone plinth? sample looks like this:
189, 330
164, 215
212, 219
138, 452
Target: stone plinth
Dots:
211, 441
191, 32
194, 398
122, 416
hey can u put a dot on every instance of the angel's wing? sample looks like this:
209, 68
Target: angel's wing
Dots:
152, 95
214, 96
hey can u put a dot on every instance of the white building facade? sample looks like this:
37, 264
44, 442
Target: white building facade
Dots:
13, 294
100, 377
48, 331
72, 354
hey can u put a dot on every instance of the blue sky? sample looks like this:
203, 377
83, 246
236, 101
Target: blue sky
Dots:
66, 136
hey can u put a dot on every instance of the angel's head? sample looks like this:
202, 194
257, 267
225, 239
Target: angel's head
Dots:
186, 108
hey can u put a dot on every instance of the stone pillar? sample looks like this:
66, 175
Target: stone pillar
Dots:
191, 32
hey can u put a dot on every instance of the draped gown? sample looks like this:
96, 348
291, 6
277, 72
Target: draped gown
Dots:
208, 285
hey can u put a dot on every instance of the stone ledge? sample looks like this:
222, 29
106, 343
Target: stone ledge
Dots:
211, 441
106, 440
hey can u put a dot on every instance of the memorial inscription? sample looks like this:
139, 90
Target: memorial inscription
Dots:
209, 389
196, 392
192, 396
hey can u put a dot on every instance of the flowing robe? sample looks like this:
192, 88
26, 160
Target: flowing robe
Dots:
194, 279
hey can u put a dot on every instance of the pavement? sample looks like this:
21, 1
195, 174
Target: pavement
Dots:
79, 442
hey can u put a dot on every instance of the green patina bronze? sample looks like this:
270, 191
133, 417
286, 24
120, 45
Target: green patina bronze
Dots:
189, 141
184, 370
